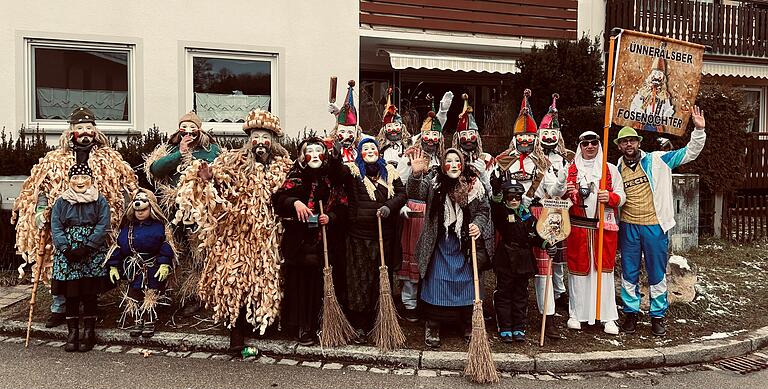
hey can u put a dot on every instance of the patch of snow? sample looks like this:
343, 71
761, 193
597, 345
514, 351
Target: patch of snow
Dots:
681, 262
712, 247
609, 341
681, 321
721, 335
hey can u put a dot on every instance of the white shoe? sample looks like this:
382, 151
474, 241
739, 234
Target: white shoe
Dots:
609, 327
573, 324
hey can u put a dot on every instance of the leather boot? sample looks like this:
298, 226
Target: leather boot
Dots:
236, 341
138, 326
657, 326
73, 334
550, 328
432, 335
55, 320
89, 336
629, 325
149, 329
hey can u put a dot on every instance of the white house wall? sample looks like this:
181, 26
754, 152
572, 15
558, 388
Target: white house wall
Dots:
313, 40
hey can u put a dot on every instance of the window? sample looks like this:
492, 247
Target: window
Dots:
64, 75
224, 86
755, 98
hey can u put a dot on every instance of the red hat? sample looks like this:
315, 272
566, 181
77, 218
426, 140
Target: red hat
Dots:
390, 111
525, 122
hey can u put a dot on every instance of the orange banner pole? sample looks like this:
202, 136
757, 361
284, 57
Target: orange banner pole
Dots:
601, 206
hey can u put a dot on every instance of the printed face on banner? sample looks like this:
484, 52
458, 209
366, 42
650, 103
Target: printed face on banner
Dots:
656, 83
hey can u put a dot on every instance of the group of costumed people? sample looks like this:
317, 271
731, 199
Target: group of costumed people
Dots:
256, 236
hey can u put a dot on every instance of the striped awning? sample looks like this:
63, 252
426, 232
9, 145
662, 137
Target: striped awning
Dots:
735, 69
404, 59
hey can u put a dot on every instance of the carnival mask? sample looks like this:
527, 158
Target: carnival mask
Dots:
83, 133
393, 131
261, 140
189, 128
140, 201
657, 78
370, 152
468, 139
314, 155
430, 140
549, 138
80, 183
452, 165
524, 143
346, 135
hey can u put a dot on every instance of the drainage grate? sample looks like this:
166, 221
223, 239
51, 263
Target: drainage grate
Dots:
745, 364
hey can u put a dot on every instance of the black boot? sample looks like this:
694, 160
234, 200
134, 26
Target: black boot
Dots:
55, 320
432, 336
629, 325
236, 341
550, 328
657, 326
89, 334
138, 326
149, 329
73, 334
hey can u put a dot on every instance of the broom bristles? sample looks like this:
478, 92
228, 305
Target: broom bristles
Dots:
335, 329
480, 366
387, 334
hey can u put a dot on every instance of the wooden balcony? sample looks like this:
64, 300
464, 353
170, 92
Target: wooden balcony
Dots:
543, 19
731, 30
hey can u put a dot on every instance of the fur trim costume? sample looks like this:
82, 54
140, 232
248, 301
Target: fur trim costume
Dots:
237, 225
113, 178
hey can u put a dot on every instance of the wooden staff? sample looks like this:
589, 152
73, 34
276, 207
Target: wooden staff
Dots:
600, 205
40, 269
332, 90
480, 366
546, 299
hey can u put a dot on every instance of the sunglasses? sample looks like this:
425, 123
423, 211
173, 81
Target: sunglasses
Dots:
513, 196
593, 142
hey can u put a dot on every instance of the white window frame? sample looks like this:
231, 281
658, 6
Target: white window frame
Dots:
229, 129
761, 121
109, 127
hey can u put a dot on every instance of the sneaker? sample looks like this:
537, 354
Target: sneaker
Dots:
610, 328
55, 320
432, 336
518, 336
657, 326
410, 315
630, 323
506, 336
573, 324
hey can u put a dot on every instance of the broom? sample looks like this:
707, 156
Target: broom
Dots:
480, 366
40, 269
335, 329
387, 334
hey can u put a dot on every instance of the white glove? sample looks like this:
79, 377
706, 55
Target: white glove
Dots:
526, 201
479, 164
404, 212
332, 108
445, 104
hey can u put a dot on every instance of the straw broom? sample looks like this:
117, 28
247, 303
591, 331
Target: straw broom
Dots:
335, 329
480, 366
387, 334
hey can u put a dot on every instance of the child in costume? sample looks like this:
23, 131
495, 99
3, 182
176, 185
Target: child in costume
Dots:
79, 227
513, 261
298, 203
143, 255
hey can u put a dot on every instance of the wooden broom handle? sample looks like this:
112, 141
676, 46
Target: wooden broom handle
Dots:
325, 240
381, 242
476, 279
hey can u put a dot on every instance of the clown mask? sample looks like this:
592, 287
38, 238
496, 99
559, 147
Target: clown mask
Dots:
314, 155
452, 165
468, 139
657, 78
80, 183
524, 142
140, 205
549, 138
370, 152
393, 131
430, 140
346, 135
190, 129
83, 134
261, 142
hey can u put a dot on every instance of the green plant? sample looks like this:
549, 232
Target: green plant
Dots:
18, 156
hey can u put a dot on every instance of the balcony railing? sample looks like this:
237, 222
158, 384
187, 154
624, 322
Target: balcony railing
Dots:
733, 30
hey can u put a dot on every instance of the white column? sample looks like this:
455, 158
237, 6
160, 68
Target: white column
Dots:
591, 19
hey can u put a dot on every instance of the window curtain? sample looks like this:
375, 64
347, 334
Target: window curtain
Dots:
214, 107
56, 103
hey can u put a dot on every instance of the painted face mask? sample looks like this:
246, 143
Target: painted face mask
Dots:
468, 139
83, 134
140, 202
370, 153
80, 183
314, 155
549, 138
346, 135
393, 131
261, 140
430, 140
189, 128
524, 143
452, 166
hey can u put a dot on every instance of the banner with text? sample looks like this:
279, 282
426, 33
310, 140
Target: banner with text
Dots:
656, 82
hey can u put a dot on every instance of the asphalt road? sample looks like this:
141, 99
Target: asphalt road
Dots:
48, 367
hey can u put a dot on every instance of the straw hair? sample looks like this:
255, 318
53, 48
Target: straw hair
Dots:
335, 328
387, 334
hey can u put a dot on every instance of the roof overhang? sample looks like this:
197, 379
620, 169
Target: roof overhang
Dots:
735, 69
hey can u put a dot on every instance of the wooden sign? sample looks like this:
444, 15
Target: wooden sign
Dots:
554, 224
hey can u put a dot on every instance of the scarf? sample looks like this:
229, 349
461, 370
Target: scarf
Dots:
91, 194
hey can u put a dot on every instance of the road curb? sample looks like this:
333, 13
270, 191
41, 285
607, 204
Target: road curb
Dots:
687, 354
